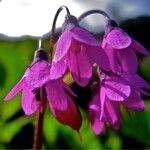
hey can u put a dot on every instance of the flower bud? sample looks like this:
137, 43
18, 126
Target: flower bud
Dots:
39, 55
110, 24
70, 22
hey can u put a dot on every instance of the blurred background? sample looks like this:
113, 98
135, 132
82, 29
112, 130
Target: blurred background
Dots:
22, 23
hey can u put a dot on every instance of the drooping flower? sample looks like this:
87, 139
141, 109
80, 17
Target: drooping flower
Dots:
109, 115
121, 49
107, 98
36, 84
118, 89
77, 50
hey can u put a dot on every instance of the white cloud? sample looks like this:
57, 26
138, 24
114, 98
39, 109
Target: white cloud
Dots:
34, 17
31, 17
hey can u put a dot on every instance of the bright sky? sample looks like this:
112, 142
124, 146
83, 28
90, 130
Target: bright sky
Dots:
34, 17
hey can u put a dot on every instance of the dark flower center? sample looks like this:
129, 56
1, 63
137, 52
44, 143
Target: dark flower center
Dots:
37, 92
39, 55
70, 22
110, 25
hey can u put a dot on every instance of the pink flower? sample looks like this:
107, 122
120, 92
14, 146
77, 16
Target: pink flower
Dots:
107, 98
36, 84
77, 50
99, 118
121, 49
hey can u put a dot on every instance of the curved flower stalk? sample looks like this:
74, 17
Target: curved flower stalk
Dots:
36, 85
121, 49
77, 50
106, 100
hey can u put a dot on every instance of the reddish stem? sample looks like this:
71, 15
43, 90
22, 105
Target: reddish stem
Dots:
52, 37
39, 122
38, 131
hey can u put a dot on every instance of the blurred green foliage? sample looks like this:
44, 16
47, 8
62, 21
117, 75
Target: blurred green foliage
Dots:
16, 129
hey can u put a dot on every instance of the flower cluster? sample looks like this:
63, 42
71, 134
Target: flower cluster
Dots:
122, 86
78, 51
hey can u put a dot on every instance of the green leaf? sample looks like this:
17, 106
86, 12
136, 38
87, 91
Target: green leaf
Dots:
138, 125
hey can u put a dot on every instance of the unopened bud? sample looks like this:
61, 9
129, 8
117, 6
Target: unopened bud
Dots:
70, 22
40, 54
110, 24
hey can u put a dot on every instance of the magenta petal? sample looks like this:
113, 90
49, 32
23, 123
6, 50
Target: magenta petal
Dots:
95, 101
70, 116
97, 125
112, 112
139, 47
118, 39
56, 95
58, 69
94, 112
84, 36
128, 60
112, 56
66, 87
62, 45
102, 102
136, 81
79, 66
38, 74
95, 107
134, 102
97, 55
15, 90
116, 89
104, 42
29, 104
